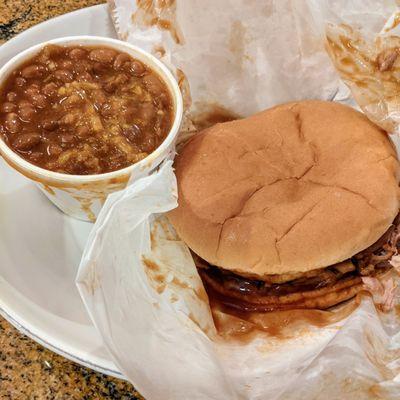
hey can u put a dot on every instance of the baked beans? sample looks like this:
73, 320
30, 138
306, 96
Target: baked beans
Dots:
84, 110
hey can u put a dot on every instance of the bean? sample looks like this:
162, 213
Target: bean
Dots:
47, 136
121, 60
39, 100
153, 84
20, 81
35, 155
23, 103
8, 107
12, 122
51, 50
66, 138
26, 112
50, 89
110, 87
85, 76
77, 54
64, 75
26, 141
54, 149
121, 79
163, 100
99, 96
32, 71
83, 66
12, 96
49, 125
102, 55
113, 165
99, 68
82, 131
130, 113
32, 90
66, 64
132, 133
106, 110
137, 68
148, 144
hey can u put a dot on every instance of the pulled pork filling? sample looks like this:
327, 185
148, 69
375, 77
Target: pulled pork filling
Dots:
320, 288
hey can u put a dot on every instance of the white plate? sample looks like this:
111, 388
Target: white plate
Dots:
40, 247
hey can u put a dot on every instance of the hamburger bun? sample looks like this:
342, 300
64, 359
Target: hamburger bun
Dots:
298, 187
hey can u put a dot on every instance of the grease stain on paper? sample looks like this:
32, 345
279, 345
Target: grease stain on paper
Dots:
91, 281
209, 114
159, 13
238, 43
48, 189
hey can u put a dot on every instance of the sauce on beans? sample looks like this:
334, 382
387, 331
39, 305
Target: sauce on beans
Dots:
84, 110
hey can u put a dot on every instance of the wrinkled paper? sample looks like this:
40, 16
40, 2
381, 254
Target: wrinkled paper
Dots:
137, 278
370, 64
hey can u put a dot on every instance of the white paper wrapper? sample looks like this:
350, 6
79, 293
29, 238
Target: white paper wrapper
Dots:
138, 280
241, 55
369, 63
142, 290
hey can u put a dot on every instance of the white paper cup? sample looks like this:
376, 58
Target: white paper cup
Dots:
82, 196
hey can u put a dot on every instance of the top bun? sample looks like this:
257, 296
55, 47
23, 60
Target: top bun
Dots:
294, 188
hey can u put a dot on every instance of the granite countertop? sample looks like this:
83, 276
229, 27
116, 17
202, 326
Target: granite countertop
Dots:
28, 370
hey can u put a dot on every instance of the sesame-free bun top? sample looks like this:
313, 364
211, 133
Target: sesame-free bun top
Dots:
301, 186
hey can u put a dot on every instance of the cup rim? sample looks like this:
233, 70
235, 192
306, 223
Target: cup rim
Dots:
164, 73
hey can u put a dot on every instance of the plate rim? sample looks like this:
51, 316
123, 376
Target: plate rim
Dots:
5, 311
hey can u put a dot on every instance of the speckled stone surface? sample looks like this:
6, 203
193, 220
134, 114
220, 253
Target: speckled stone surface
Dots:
18, 15
30, 372
27, 370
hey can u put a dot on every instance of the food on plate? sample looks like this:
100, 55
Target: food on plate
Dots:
289, 208
84, 110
